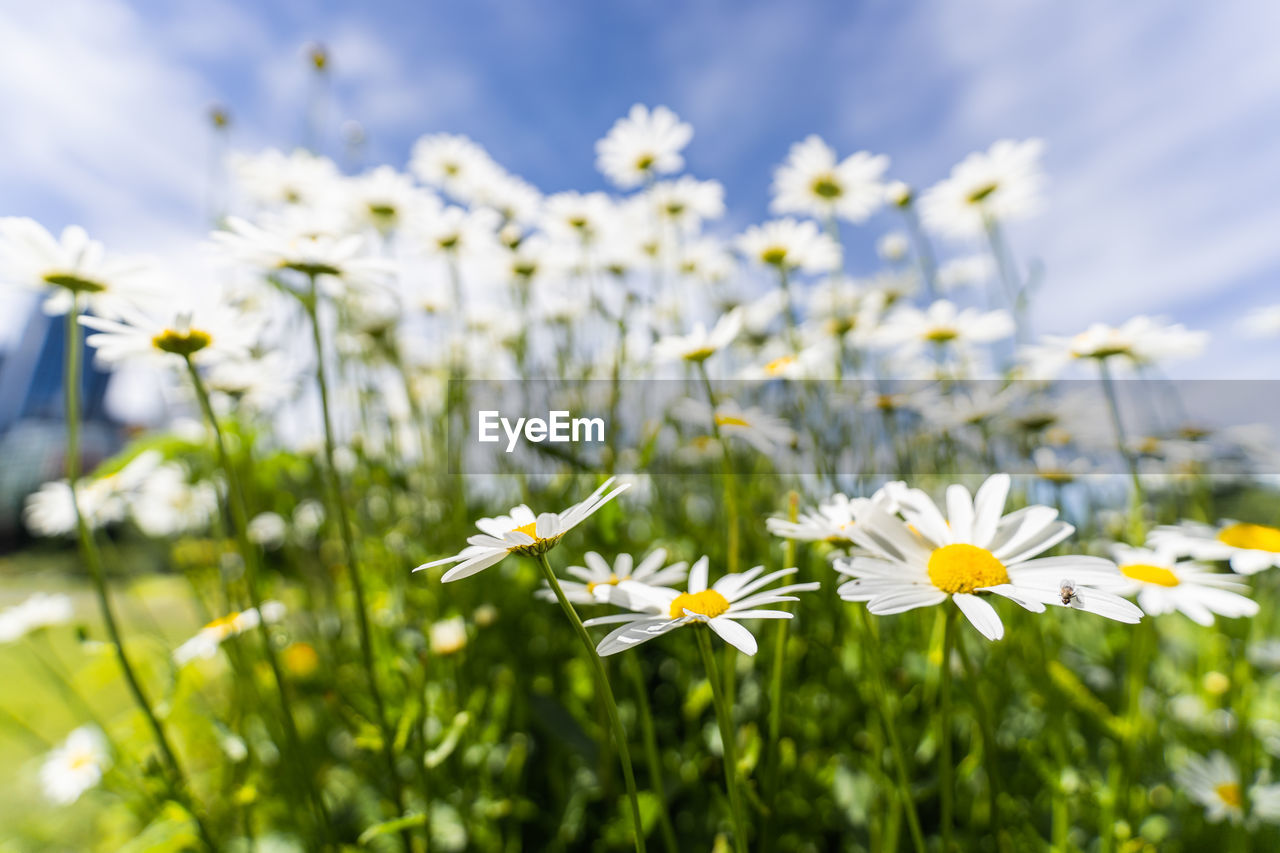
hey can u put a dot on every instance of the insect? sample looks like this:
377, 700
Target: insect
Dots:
1067, 588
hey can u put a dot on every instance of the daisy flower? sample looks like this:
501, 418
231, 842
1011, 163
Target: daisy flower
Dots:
68, 268
1249, 548
449, 162
381, 198
75, 766
41, 610
973, 551
643, 144
893, 247
1214, 783
599, 583
830, 522
1164, 584
1140, 341
521, 532
303, 247
699, 344
273, 178
811, 182
684, 203
1001, 184
911, 329
787, 244
208, 333
206, 641
577, 218
657, 610
763, 431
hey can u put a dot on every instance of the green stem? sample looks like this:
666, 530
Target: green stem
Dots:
872, 661
946, 770
652, 756
602, 684
338, 505
235, 505
175, 777
1122, 444
728, 737
924, 252
988, 739
730, 493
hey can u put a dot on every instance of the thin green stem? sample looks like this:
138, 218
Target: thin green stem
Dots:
728, 736
338, 506
730, 493
988, 738
175, 777
602, 684
881, 693
652, 756
1138, 498
946, 770
236, 507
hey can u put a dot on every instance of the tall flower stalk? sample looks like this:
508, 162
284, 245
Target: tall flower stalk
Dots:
728, 736
236, 508
602, 684
338, 507
175, 778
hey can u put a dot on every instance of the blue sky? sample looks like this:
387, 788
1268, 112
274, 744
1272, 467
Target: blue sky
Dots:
1160, 118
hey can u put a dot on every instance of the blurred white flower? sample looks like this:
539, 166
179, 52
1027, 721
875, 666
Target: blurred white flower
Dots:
811, 182
203, 329
1140, 341
656, 610
1250, 548
788, 244
167, 504
763, 431
967, 271
1163, 584
942, 323
205, 643
1002, 184
1214, 783
41, 610
272, 178
292, 244
75, 766
69, 267
598, 581
267, 529
894, 246
448, 636
685, 203
699, 344
641, 145
449, 162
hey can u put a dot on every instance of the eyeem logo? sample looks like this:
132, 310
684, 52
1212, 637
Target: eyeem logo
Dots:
558, 427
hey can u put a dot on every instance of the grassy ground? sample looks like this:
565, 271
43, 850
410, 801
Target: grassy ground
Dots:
158, 613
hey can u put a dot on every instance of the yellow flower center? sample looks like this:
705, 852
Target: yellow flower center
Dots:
181, 343
778, 365
1253, 537
731, 420
644, 162
80, 760
964, 568
774, 255
825, 186
539, 545
700, 354
1229, 793
612, 581
980, 194
707, 603
941, 334
224, 621
1147, 573
74, 282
